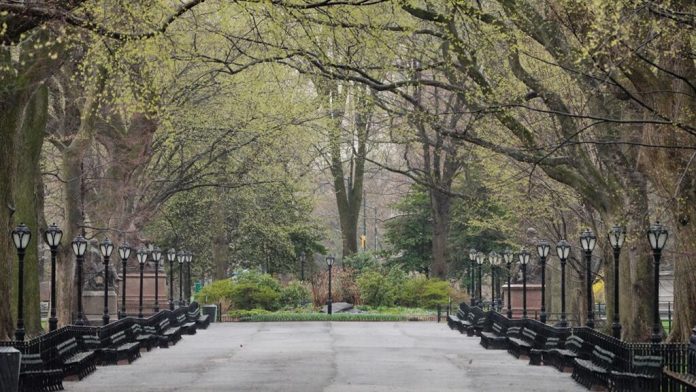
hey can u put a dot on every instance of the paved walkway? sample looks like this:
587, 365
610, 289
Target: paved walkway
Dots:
323, 356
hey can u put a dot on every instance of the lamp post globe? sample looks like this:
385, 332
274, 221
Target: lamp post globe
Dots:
543, 249
329, 262
657, 236
523, 258
156, 257
563, 252
472, 275
507, 257
52, 236
588, 241
79, 247
124, 252
106, 248
20, 237
141, 254
617, 236
171, 257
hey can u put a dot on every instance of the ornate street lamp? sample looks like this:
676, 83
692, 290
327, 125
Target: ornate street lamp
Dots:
588, 241
53, 235
657, 235
79, 247
563, 252
303, 257
523, 258
508, 256
617, 236
472, 275
480, 258
494, 259
329, 262
141, 254
156, 256
182, 259
543, 248
20, 236
106, 248
171, 257
124, 252
189, 258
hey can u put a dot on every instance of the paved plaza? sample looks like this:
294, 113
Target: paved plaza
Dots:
326, 356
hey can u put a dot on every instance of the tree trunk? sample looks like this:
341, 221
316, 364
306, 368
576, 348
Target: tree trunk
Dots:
440, 206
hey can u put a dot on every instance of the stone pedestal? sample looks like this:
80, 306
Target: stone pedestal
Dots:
133, 292
533, 300
10, 359
93, 305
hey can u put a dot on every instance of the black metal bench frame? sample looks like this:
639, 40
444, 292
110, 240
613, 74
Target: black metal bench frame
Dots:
72, 360
563, 358
118, 347
595, 371
187, 327
495, 339
35, 376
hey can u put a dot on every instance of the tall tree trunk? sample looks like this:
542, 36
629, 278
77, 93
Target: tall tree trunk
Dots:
440, 206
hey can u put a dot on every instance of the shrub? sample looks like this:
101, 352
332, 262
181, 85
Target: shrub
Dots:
375, 289
295, 295
239, 313
424, 293
289, 316
218, 292
343, 286
248, 295
360, 262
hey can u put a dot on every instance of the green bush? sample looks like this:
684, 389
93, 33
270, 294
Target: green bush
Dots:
295, 295
218, 292
239, 313
361, 261
375, 289
250, 296
290, 316
421, 292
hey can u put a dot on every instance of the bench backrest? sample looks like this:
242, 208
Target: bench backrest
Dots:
67, 348
574, 343
118, 338
164, 324
150, 329
551, 343
195, 313
136, 329
471, 317
514, 331
497, 328
647, 364
90, 341
529, 335
181, 318
603, 358
31, 362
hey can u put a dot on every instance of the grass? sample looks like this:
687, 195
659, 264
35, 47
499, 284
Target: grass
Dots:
291, 316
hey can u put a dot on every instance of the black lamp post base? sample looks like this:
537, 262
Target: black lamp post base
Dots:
329, 309
171, 305
19, 334
562, 324
542, 316
52, 324
509, 314
105, 319
616, 330
156, 308
657, 335
590, 323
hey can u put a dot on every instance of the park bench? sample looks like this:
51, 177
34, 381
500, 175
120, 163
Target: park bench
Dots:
521, 341
202, 320
453, 320
563, 358
91, 342
34, 376
645, 375
118, 348
495, 338
596, 370
147, 340
187, 327
685, 380
73, 361
537, 355
171, 334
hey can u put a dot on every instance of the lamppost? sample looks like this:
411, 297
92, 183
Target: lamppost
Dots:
617, 236
472, 280
329, 261
543, 248
508, 256
588, 241
657, 235
20, 236
171, 256
53, 236
523, 258
303, 257
493, 259
79, 247
142, 258
106, 247
124, 252
181, 278
156, 256
189, 258
479, 260
563, 251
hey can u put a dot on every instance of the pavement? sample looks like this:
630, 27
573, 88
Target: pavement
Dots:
326, 356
